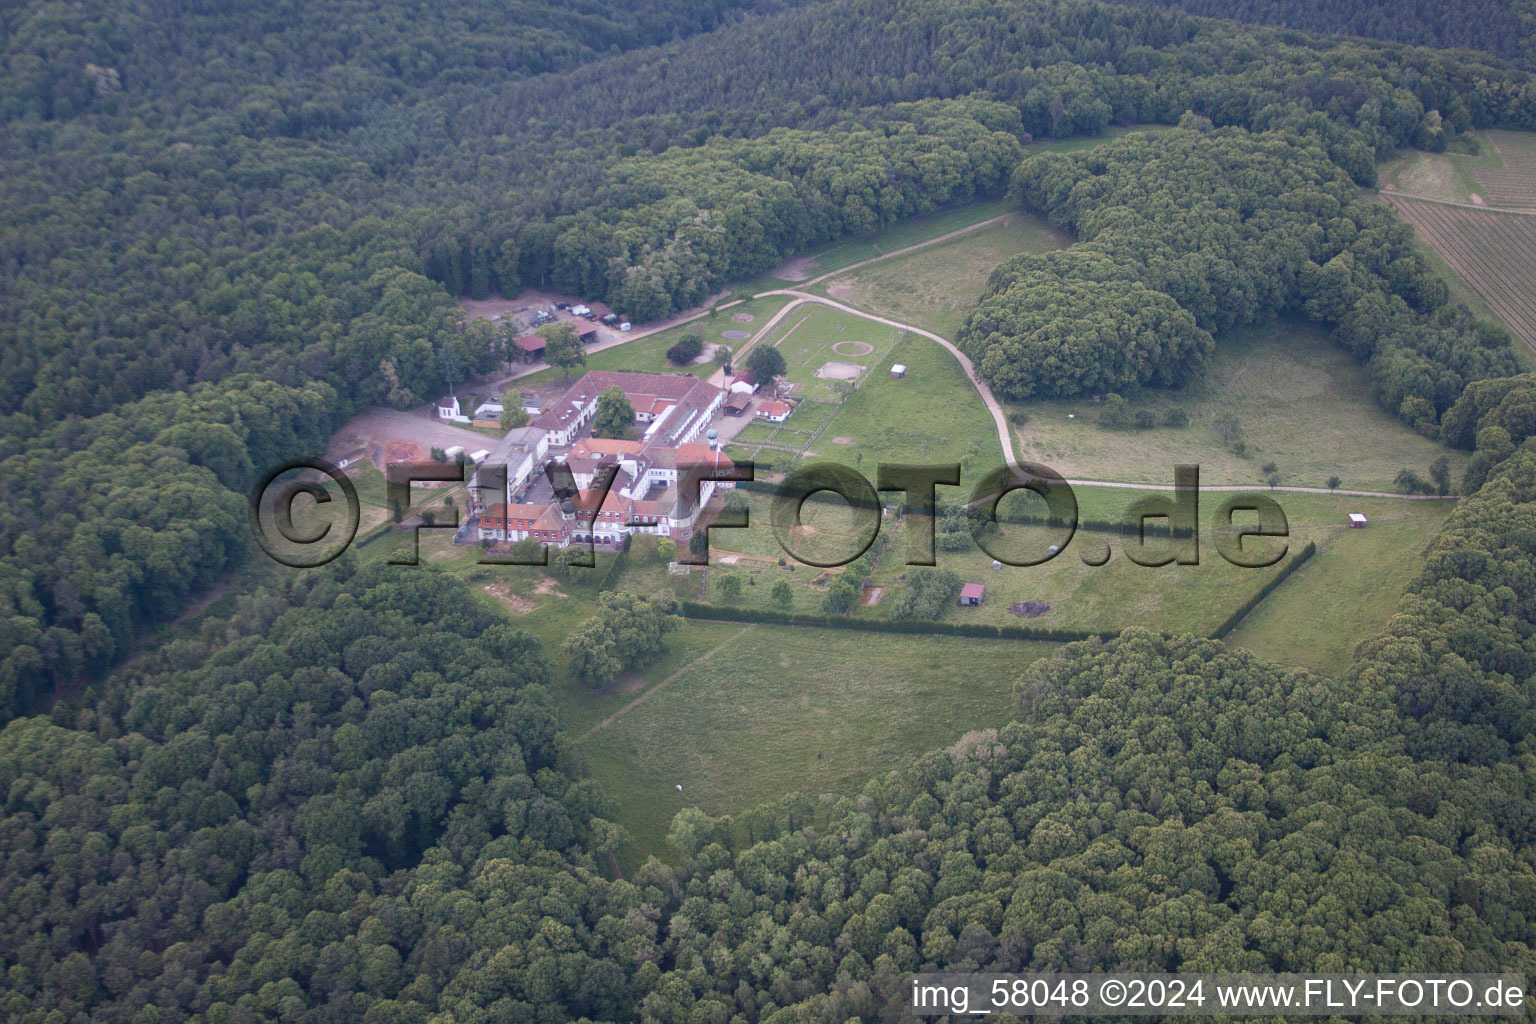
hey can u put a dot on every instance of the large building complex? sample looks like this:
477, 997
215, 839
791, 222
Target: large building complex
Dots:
516, 499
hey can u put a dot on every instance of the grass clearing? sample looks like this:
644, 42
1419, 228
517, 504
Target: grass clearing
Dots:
1302, 403
914, 231
937, 286
933, 414
1448, 176
816, 339
776, 710
1347, 592
649, 354
1109, 597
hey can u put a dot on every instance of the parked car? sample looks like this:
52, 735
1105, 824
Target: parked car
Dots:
611, 319
562, 305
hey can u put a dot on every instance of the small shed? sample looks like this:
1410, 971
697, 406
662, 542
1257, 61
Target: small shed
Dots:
774, 411
532, 346
1357, 521
588, 336
972, 594
737, 403
356, 455
898, 369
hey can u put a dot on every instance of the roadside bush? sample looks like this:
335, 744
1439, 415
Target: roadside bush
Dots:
686, 350
1116, 414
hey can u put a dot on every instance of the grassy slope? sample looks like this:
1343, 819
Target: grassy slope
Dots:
838, 255
813, 336
1347, 592
1448, 176
649, 354
776, 710
1304, 404
938, 286
933, 414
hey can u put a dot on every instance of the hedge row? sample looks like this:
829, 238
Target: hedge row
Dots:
695, 610
721, 613
1249, 605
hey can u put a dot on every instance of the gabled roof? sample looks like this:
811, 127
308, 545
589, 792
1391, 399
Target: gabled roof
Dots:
971, 590
701, 454
551, 520
605, 446
515, 511
531, 342
645, 391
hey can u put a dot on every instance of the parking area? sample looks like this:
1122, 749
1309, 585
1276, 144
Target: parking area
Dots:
389, 435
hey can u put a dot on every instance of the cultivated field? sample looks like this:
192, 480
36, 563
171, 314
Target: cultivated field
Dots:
1495, 252
937, 286
1512, 182
1299, 400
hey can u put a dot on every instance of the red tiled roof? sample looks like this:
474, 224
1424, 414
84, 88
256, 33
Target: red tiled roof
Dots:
644, 391
531, 342
695, 454
590, 446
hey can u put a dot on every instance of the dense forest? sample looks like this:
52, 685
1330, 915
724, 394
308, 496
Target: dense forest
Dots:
223, 230
1192, 231
1497, 26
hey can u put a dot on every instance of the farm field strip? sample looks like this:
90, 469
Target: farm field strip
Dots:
1495, 252
1513, 184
